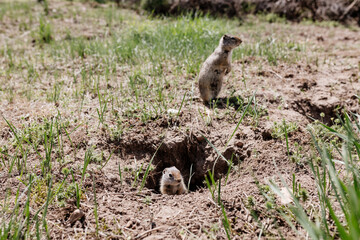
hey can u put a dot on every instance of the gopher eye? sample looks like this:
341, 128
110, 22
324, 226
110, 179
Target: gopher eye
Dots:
170, 175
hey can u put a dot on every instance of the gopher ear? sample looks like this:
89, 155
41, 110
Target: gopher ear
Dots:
164, 171
226, 36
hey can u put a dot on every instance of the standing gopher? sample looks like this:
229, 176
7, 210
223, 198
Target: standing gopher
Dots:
216, 66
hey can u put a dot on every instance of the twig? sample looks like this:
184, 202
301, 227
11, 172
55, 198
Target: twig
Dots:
193, 234
110, 235
212, 201
275, 74
190, 215
148, 231
348, 9
102, 234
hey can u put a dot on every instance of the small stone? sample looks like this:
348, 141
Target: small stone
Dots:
75, 216
112, 177
173, 111
240, 144
200, 138
248, 153
285, 197
129, 224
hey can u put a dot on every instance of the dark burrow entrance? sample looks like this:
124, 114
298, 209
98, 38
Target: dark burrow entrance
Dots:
191, 154
314, 110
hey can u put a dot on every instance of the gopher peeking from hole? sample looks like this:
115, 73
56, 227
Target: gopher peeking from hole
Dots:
172, 182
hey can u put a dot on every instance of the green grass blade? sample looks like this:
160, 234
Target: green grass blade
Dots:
242, 117
148, 169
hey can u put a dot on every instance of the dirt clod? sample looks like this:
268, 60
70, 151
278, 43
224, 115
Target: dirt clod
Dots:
77, 215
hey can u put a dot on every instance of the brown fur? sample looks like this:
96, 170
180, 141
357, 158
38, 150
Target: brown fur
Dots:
216, 66
172, 182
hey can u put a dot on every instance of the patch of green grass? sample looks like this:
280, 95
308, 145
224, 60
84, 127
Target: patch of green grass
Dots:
38, 137
13, 9
297, 155
45, 6
279, 130
24, 215
325, 137
215, 189
326, 24
298, 191
272, 18
68, 191
185, 40
77, 48
337, 182
45, 32
272, 49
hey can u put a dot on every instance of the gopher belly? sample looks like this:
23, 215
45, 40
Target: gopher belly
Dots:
210, 84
